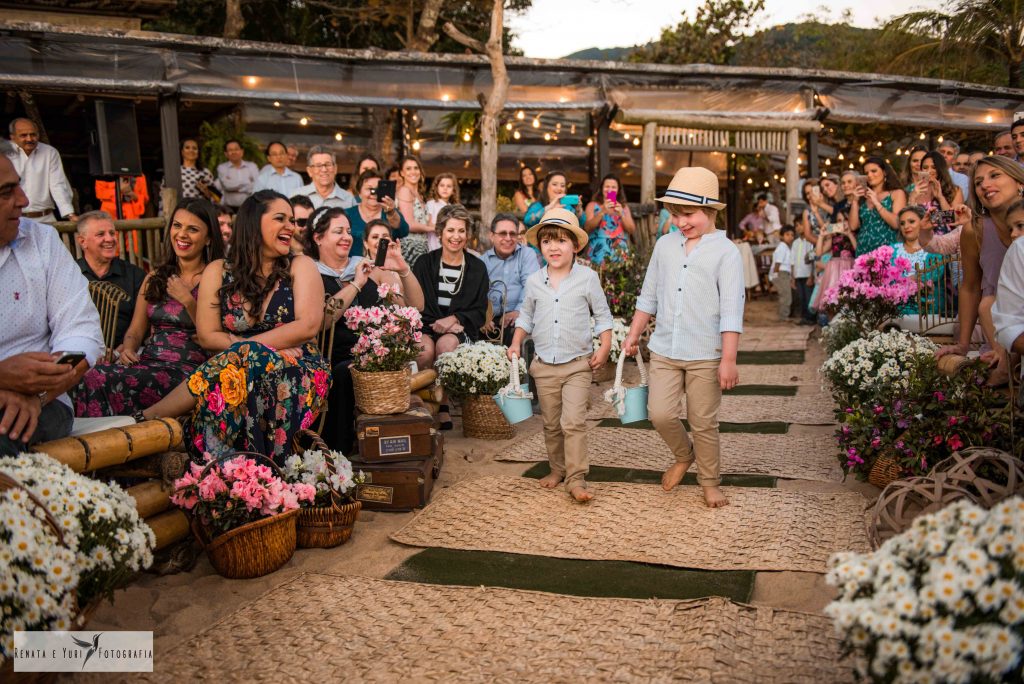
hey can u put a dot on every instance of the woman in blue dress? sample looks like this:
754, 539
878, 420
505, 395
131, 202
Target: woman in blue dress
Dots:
930, 287
609, 222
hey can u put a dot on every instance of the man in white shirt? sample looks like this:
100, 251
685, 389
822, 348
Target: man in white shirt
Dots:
276, 175
771, 222
235, 177
322, 167
45, 312
41, 171
949, 150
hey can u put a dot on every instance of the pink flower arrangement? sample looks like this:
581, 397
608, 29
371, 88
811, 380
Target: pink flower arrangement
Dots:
873, 291
389, 336
236, 492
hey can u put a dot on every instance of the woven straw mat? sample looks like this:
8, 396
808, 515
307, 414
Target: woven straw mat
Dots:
812, 408
798, 458
326, 628
762, 529
789, 375
774, 338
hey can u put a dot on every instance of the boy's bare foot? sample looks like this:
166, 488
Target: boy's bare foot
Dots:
551, 480
714, 497
673, 476
581, 494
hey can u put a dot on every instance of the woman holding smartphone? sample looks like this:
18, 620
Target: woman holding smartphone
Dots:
609, 222
914, 157
934, 192
875, 207
818, 212
372, 208
553, 195
835, 246
411, 188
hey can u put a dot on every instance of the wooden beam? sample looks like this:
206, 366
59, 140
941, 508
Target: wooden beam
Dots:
792, 172
710, 120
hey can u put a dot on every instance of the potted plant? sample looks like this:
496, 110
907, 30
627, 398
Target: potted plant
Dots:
876, 363
943, 601
326, 521
389, 338
874, 290
242, 513
474, 373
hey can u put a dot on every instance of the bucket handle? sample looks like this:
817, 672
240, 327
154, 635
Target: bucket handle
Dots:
620, 364
513, 389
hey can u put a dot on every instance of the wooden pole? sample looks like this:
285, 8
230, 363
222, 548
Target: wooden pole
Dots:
649, 172
792, 171
169, 142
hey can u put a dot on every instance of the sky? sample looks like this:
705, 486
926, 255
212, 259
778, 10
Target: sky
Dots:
556, 28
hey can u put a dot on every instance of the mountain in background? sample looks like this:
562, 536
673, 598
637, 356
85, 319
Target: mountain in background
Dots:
614, 54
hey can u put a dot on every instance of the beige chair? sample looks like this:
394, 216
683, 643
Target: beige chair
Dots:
107, 297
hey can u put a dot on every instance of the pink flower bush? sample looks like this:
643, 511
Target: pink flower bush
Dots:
873, 291
389, 335
236, 492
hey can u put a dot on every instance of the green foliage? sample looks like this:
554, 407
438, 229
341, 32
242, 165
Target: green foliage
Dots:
621, 282
458, 123
215, 134
710, 38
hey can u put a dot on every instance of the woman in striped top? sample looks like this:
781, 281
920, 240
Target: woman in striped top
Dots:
455, 287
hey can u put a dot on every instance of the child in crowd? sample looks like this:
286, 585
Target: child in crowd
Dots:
781, 272
803, 277
697, 334
443, 191
556, 310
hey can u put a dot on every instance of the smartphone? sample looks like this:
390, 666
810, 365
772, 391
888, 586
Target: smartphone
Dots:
382, 252
815, 192
833, 228
385, 188
923, 178
570, 201
942, 216
71, 358
612, 196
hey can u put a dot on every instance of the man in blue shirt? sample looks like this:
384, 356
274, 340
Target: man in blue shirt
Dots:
276, 175
510, 263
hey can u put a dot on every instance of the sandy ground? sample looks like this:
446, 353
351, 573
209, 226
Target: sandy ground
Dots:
176, 607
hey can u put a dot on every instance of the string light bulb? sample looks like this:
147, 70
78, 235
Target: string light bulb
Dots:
304, 121
276, 103
536, 122
338, 136
520, 115
508, 126
516, 135
636, 142
590, 142
922, 136
467, 136
415, 145
547, 136
863, 149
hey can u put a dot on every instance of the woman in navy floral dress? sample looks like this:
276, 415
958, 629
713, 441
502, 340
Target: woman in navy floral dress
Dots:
166, 307
261, 310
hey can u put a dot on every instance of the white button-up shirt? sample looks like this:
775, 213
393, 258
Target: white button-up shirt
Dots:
42, 178
236, 182
1008, 311
287, 183
801, 250
44, 298
339, 197
695, 297
559, 320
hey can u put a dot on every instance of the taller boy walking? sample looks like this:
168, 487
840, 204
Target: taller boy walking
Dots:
694, 285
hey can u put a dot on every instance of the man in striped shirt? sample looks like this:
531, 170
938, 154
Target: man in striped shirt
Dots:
694, 285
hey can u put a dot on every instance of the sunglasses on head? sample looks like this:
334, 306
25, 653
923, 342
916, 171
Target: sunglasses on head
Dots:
301, 222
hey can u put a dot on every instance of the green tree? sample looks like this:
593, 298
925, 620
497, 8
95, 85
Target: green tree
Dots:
710, 38
968, 32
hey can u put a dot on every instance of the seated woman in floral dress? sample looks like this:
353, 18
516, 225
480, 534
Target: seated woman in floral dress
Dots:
260, 310
165, 309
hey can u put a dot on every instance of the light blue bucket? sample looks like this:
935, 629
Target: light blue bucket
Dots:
516, 408
635, 401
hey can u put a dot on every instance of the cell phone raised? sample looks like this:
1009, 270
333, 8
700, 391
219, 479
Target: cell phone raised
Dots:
570, 201
382, 252
71, 358
942, 216
385, 188
612, 196
831, 228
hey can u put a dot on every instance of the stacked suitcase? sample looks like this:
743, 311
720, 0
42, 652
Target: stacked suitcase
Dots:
400, 456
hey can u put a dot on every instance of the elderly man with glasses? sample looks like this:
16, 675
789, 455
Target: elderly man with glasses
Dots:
511, 263
322, 166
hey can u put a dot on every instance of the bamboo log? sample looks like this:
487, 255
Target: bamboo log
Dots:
422, 379
115, 446
169, 527
150, 498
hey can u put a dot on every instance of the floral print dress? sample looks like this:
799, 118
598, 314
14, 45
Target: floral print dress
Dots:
167, 358
250, 397
874, 231
609, 241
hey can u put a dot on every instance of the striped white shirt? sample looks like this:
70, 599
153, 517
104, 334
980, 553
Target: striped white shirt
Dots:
695, 298
559, 320
445, 290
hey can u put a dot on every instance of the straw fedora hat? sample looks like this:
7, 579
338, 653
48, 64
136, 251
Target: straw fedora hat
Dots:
693, 186
559, 218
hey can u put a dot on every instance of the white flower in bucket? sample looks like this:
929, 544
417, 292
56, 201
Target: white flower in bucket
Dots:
514, 399
630, 402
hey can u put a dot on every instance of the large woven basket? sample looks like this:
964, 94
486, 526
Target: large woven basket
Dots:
884, 471
252, 550
382, 392
325, 527
482, 419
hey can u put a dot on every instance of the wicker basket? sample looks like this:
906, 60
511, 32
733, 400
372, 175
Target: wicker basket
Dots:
883, 471
382, 392
325, 527
252, 550
482, 419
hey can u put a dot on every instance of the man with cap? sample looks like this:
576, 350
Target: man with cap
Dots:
555, 311
694, 285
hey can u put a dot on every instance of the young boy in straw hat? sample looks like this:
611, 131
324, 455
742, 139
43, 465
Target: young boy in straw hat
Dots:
694, 285
556, 309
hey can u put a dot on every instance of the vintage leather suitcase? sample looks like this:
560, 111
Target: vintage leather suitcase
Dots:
392, 438
399, 486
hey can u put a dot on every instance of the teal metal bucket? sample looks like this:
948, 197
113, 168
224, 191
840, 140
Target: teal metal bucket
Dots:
516, 409
636, 405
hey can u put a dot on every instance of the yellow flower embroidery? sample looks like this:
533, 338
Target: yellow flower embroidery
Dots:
232, 385
197, 384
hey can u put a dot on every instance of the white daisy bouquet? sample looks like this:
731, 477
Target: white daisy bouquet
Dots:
325, 472
942, 602
619, 331
105, 541
882, 361
481, 368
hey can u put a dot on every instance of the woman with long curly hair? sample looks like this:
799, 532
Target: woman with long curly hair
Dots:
259, 311
875, 206
165, 310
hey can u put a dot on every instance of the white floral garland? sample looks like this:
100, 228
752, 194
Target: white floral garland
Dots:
480, 368
880, 360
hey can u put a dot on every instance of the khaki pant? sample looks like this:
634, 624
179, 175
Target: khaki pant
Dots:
669, 380
564, 391
784, 285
